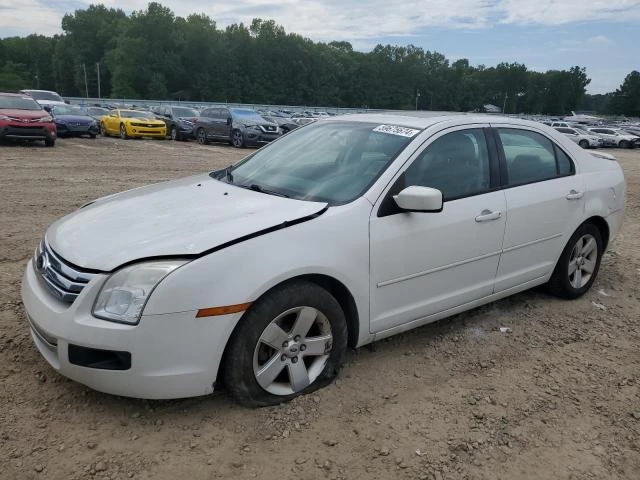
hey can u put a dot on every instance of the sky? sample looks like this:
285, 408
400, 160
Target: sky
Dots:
601, 35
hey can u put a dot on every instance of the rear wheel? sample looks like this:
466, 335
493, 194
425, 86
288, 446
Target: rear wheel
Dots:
579, 263
290, 342
583, 144
123, 132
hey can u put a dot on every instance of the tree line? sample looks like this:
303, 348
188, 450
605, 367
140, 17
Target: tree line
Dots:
156, 55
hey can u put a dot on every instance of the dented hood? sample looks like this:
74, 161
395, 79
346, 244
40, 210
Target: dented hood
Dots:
182, 217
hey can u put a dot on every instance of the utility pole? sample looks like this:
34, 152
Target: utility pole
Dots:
417, 96
98, 68
504, 104
86, 87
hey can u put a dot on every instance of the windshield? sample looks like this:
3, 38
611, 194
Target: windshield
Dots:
246, 114
18, 103
332, 162
183, 112
52, 96
68, 110
97, 111
136, 114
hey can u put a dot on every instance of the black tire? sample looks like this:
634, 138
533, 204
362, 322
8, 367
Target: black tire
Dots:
560, 282
174, 133
584, 144
238, 364
103, 130
123, 132
237, 139
92, 135
49, 142
201, 136
623, 144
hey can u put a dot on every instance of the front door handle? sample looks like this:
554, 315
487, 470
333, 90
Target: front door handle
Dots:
574, 195
488, 215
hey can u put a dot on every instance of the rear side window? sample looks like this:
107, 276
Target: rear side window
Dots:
531, 157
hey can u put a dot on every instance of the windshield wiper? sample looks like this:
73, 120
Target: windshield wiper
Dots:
257, 188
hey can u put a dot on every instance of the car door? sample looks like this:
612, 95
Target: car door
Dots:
425, 263
205, 121
223, 127
112, 119
544, 198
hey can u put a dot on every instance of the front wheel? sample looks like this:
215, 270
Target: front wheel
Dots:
237, 139
174, 133
579, 263
123, 132
201, 136
290, 342
584, 144
103, 130
49, 142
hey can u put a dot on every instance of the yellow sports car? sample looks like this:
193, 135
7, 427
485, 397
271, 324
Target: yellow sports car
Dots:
132, 123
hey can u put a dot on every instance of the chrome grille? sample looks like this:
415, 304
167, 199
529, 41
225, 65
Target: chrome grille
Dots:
61, 279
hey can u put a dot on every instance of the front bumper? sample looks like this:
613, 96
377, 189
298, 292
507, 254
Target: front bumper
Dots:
141, 131
258, 137
171, 356
70, 129
27, 132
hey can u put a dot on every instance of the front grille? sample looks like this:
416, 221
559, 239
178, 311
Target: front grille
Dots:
269, 128
64, 281
148, 125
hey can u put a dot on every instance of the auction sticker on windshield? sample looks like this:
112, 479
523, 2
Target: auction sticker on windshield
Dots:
397, 130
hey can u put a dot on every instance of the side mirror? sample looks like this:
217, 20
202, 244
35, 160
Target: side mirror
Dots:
228, 120
419, 199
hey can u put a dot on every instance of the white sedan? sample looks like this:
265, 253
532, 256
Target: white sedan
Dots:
585, 140
341, 233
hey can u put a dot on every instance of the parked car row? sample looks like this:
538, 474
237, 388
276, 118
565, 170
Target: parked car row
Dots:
595, 136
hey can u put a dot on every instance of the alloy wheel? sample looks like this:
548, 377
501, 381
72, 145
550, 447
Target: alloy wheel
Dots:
582, 261
237, 139
292, 351
174, 133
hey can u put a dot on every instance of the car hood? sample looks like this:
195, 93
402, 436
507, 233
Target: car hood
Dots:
17, 113
182, 217
50, 102
74, 118
143, 120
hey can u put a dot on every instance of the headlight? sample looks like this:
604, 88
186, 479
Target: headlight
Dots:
44, 119
125, 293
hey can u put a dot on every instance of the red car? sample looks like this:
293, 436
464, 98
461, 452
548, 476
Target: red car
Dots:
21, 117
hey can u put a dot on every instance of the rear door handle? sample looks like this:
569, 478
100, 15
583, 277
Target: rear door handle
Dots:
488, 215
574, 195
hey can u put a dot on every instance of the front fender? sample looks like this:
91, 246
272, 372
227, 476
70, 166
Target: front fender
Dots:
335, 244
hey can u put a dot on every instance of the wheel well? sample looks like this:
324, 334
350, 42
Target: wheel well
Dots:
602, 225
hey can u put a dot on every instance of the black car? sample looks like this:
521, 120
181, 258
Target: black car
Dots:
179, 120
73, 121
96, 112
286, 124
239, 126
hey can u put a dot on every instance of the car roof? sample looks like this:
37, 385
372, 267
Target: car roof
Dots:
9, 94
34, 90
422, 120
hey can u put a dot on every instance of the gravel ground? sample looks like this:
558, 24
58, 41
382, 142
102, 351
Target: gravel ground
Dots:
556, 397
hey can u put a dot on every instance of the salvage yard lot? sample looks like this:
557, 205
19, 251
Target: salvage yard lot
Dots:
558, 396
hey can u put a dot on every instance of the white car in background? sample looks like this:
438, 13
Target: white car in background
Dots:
46, 98
341, 233
616, 136
581, 138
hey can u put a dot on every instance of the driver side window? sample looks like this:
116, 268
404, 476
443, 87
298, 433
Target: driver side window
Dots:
457, 164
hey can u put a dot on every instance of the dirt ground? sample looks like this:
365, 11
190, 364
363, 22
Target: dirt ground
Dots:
556, 398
